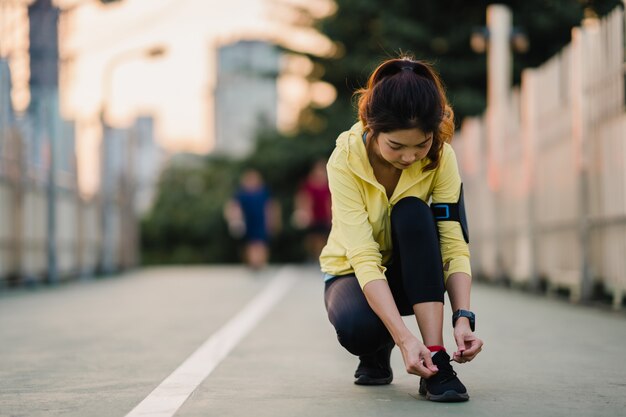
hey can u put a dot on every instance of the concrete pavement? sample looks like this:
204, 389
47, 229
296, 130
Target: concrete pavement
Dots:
98, 348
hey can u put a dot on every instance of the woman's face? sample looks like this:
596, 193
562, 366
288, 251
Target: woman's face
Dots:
402, 148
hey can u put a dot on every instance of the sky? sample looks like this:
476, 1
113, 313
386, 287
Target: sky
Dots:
103, 54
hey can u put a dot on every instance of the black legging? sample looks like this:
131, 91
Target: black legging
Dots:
415, 275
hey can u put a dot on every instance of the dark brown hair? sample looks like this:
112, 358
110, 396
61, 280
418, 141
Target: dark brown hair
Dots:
404, 93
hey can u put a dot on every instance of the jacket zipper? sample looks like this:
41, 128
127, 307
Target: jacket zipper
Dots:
387, 221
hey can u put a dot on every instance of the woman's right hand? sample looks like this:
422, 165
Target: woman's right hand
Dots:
417, 358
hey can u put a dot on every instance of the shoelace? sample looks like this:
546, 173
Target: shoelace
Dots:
446, 372
452, 360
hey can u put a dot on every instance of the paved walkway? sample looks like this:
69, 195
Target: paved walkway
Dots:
99, 348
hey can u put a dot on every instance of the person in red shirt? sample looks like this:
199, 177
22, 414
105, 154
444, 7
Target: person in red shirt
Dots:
312, 209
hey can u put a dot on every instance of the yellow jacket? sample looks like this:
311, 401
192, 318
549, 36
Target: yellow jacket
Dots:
360, 238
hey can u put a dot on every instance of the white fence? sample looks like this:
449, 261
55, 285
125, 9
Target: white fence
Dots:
50, 233
557, 209
24, 234
24, 229
90, 235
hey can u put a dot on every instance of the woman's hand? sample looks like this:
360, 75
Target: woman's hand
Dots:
417, 358
468, 344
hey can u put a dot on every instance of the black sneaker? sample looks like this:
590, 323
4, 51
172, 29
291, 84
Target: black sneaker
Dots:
375, 369
444, 386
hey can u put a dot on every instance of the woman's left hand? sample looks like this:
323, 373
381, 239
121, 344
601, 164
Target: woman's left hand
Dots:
468, 344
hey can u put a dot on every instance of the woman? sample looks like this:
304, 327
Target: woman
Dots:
389, 253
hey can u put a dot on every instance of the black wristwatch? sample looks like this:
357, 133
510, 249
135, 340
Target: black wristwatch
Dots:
464, 313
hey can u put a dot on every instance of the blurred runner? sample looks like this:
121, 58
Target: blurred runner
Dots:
253, 216
312, 209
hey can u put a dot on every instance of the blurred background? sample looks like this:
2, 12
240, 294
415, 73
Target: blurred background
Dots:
126, 125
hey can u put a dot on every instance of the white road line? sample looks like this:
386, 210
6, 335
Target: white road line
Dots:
170, 395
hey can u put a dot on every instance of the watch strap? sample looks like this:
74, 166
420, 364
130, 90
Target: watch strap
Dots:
464, 313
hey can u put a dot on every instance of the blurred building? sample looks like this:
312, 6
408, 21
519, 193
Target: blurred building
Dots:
43, 45
246, 96
8, 170
44, 86
6, 110
14, 41
131, 165
149, 162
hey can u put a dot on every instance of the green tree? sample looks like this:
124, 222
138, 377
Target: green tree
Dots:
368, 31
185, 223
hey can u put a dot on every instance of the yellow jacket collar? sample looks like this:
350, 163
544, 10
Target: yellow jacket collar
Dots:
358, 161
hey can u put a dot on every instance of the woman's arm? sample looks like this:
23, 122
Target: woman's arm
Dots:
416, 356
455, 254
458, 286
234, 218
273, 216
447, 189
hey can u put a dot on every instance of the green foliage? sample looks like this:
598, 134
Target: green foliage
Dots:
187, 214
369, 31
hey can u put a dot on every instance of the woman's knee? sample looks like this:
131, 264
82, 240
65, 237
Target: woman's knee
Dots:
358, 328
361, 335
411, 215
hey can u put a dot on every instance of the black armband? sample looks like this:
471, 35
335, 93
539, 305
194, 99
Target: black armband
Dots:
455, 212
